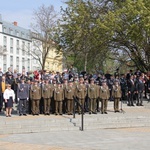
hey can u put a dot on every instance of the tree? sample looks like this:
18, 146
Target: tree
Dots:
45, 21
130, 23
79, 37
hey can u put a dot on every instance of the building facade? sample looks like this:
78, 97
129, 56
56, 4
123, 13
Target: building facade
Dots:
15, 47
21, 49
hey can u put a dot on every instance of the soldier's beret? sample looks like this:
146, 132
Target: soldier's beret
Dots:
70, 81
58, 82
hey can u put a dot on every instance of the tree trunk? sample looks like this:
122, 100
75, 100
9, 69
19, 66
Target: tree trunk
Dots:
85, 62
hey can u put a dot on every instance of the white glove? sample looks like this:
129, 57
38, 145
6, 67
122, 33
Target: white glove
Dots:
18, 99
27, 98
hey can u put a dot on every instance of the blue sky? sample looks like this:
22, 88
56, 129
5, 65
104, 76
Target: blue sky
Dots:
22, 10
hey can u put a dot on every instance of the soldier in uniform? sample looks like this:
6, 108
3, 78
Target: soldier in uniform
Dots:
104, 96
97, 99
81, 92
69, 94
92, 94
53, 86
58, 98
65, 84
116, 95
23, 97
47, 93
35, 95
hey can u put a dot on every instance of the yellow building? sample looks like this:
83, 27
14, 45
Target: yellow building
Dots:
54, 61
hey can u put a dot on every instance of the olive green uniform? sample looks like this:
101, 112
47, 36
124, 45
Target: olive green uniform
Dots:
104, 96
58, 98
47, 93
92, 94
35, 95
116, 95
69, 94
80, 93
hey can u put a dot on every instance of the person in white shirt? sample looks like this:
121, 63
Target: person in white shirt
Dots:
9, 98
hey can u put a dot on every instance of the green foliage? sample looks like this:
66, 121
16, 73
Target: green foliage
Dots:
97, 31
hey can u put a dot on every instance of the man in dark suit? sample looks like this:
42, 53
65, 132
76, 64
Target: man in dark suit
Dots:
140, 90
131, 90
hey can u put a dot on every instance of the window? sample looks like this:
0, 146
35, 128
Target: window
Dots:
5, 59
17, 60
11, 50
11, 59
28, 49
10, 31
4, 48
17, 43
5, 40
22, 34
4, 67
23, 62
17, 51
11, 42
23, 45
16, 33
4, 29
17, 67
23, 48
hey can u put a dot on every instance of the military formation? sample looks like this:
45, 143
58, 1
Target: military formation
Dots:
56, 93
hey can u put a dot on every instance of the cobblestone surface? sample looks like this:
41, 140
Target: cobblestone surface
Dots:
135, 138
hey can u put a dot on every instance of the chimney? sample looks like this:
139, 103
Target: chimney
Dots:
15, 23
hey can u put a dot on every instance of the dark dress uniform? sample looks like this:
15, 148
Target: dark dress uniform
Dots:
35, 95
117, 96
58, 98
69, 94
23, 96
104, 96
92, 94
47, 93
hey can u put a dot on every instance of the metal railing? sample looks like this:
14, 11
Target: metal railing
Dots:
82, 111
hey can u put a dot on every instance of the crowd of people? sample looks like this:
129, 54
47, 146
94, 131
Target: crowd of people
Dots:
42, 92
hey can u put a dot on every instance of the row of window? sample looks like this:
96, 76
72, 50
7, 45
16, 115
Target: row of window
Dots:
16, 32
25, 49
18, 61
17, 67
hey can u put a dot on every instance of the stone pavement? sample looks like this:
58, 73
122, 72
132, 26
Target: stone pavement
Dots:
114, 131
103, 139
